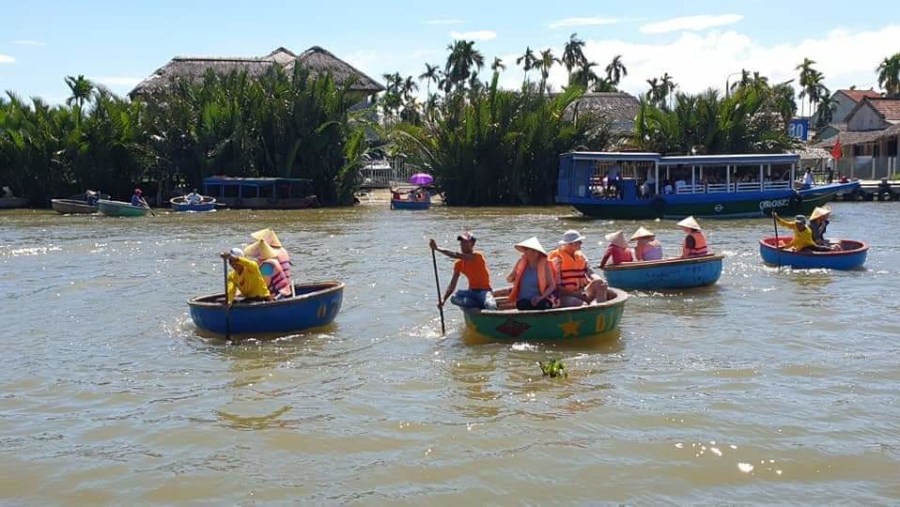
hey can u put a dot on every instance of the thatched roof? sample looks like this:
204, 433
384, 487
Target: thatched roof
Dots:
316, 59
868, 136
619, 108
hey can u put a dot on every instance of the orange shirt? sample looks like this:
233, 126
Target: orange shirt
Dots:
475, 271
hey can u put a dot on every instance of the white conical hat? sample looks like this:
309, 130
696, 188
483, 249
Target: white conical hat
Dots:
268, 235
531, 243
617, 238
820, 212
642, 233
690, 223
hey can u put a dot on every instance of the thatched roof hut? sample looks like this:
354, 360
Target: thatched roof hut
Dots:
619, 108
316, 59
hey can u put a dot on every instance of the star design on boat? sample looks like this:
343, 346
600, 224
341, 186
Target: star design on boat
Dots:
570, 328
513, 328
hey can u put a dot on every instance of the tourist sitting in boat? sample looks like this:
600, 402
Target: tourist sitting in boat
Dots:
473, 266
91, 197
245, 278
818, 223
138, 200
193, 197
277, 281
533, 278
802, 239
617, 250
271, 239
695, 244
648, 247
808, 180
577, 283
396, 195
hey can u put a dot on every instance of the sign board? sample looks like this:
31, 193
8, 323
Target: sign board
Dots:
799, 128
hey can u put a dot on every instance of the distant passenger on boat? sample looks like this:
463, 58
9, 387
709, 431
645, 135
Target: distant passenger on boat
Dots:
617, 250
91, 197
137, 200
577, 283
193, 197
808, 180
473, 266
277, 281
271, 239
695, 244
803, 236
533, 278
245, 278
648, 247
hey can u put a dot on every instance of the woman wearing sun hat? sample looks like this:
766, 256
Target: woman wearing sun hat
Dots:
818, 222
276, 280
533, 278
648, 247
271, 239
695, 244
617, 250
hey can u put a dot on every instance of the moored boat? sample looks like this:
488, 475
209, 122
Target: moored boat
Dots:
181, 203
410, 204
648, 185
554, 324
13, 202
120, 209
315, 305
72, 206
666, 274
851, 255
261, 193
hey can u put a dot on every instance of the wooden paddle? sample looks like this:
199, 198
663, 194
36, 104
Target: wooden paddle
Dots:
437, 283
227, 306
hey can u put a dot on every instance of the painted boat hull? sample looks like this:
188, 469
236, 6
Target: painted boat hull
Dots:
404, 204
852, 255
666, 274
561, 324
716, 205
120, 209
181, 205
315, 305
72, 206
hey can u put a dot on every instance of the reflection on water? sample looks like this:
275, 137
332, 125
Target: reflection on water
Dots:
768, 384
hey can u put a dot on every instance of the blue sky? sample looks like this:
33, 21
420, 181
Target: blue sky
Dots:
700, 43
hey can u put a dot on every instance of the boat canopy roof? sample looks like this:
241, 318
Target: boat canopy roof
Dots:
686, 160
251, 182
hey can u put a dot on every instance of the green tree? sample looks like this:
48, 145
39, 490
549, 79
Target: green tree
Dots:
889, 75
616, 70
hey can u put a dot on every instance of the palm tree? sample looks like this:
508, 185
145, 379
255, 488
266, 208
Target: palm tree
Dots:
81, 89
497, 65
573, 53
463, 57
826, 108
545, 64
528, 61
584, 75
889, 75
806, 74
432, 74
616, 70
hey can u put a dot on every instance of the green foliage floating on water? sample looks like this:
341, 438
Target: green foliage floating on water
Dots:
554, 368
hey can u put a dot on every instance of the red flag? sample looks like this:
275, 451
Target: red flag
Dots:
836, 150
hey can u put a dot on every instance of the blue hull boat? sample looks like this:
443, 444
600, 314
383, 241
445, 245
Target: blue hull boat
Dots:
851, 255
666, 274
405, 204
314, 305
181, 204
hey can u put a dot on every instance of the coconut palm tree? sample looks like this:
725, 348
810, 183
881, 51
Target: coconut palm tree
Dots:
81, 89
573, 53
806, 74
616, 70
432, 74
826, 108
889, 75
584, 75
462, 59
528, 61
545, 63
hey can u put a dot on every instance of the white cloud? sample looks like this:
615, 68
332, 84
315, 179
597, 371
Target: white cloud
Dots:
474, 35
7, 59
691, 23
25, 42
444, 22
588, 21
118, 81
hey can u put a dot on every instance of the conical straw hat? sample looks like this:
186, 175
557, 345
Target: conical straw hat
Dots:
531, 243
819, 212
690, 223
617, 238
642, 233
268, 235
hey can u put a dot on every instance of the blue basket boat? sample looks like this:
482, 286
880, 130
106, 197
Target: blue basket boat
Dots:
851, 255
666, 274
181, 203
315, 305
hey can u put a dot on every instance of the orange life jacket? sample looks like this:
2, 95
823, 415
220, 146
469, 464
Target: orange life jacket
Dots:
699, 244
572, 268
543, 282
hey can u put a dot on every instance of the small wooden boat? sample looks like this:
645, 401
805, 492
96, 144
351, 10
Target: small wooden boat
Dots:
405, 199
180, 203
851, 255
72, 206
666, 274
120, 209
409, 204
315, 305
555, 324
13, 202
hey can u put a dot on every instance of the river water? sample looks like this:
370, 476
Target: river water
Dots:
774, 386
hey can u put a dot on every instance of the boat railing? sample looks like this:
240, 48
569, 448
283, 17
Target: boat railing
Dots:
744, 186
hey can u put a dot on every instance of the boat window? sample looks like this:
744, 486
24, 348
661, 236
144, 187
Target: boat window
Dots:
230, 191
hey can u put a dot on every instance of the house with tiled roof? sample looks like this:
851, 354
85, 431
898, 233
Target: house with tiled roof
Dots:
870, 142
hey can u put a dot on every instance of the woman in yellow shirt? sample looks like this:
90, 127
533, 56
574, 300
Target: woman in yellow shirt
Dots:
246, 277
802, 239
